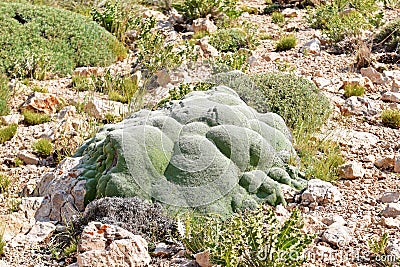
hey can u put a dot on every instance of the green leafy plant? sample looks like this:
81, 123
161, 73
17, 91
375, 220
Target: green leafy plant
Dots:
377, 247
42, 40
34, 118
391, 118
249, 9
80, 83
353, 90
286, 42
271, 7
5, 182
4, 95
18, 162
64, 243
251, 238
43, 147
229, 40
231, 61
194, 9
7, 132
278, 18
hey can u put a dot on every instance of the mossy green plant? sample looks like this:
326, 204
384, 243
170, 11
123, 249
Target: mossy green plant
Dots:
391, 118
277, 18
43, 147
34, 118
353, 90
7, 132
286, 42
4, 95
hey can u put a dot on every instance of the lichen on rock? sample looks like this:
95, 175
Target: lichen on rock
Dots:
208, 151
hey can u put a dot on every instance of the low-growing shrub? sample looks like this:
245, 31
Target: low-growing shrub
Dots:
5, 182
249, 9
271, 7
230, 61
353, 90
7, 132
251, 238
42, 39
229, 40
4, 95
80, 83
391, 118
18, 162
389, 36
43, 147
34, 118
194, 9
286, 42
278, 18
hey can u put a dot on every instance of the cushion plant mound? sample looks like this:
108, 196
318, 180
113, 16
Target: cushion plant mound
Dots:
40, 39
208, 151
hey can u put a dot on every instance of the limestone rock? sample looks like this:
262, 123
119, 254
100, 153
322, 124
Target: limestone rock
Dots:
393, 248
353, 138
391, 210
320, 192
106, 245
66, 112
396, 86
99, 108
204, 25
390, 222
42, 102
391, 97
386, 162
397, 164
351, 170
390, 197
88, 71
357, 105
28, 158
322, 82
337, 219
374, 75
12, 119
289, 12
203, 259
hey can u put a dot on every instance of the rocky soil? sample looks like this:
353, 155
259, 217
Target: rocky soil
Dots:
362, 205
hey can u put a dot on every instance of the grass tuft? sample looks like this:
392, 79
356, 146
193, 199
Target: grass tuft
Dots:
7, 132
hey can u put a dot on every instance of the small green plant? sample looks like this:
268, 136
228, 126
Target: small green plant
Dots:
13, 204
229, 40
264, 36
194, 9
284, 66
4, 95
81, 83
271, 7
249, 9
5, 182
377, 247
18, 162
64, 243
39, 89
251, 238
231, 61
200, 34
7, 132
43, 147
286, 42
34, 118
389, 36
391, 118
110, 118
353, 90
278, 18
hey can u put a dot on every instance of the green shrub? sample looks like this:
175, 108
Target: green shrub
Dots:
34, 118
286, 42
341, 19
271, 7
194, 9
37, 88
18, 162
251, 238
230, 61
389, 36
377, 247
4, 95
5, 182
43, 147
278, 18
7, 132
229, 40
41, 39
249, 9
80, 83
391, 118
353, 90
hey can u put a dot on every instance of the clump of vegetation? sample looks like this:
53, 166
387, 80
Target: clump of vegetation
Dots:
39, 89
7, 132
249, 9
278, 18
64, 243
194, 9
18, 162
4, 95
43, 147
34, 118
391, 118
345, 19
389, 36
42, 39
377, 247
353, 90
286, 42
271, 7
251, 238
230, 40
231, 61
5, 182
80, 83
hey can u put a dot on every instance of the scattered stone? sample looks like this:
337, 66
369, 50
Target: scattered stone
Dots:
391, 97
312, 47
203, 259
11, 119
374, 75
289, 12
40, 232
351, 170
163, 78
66, 112
272, 56
397, 164
320, 192
106, 245
321, 82
392, 210
88, 71
353, 138
204, 25
100, 108
396, 86
386, 162
390, 222
41, 102
337, 219
390, 197
337, 235
357, 105
393, 249
161, 250
28, 158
